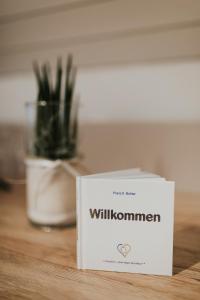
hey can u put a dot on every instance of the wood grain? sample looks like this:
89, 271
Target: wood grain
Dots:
35, 264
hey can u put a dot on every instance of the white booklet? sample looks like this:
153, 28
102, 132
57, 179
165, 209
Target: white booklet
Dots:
125, 222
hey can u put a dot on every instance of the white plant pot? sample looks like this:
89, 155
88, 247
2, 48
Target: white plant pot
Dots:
51, 192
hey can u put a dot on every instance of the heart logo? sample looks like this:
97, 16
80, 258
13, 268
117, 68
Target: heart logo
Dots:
124, 249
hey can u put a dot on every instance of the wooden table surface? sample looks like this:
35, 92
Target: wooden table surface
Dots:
35, 264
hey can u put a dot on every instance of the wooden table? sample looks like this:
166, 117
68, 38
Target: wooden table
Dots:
35, 264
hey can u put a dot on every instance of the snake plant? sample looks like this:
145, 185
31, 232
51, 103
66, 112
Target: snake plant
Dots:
56, 117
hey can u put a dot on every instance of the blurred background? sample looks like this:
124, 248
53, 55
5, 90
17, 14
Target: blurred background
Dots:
138, 79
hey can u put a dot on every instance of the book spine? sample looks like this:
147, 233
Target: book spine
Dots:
78, 220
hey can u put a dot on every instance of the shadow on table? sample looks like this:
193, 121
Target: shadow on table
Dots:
186, 248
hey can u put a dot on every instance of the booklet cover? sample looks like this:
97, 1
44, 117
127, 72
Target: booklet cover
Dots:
125, 222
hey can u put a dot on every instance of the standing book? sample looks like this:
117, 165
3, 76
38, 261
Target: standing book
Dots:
125, 222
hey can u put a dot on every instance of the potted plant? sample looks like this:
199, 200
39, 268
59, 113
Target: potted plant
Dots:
52, 147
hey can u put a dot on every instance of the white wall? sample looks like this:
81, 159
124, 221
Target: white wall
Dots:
131, 54
98, 32
167, 92
139, 77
